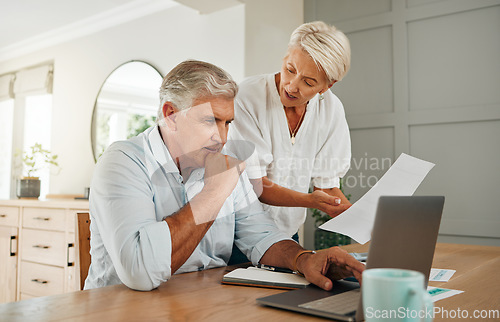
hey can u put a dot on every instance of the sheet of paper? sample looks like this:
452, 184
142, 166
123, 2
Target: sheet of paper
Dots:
441, 293
441, 275
402, 179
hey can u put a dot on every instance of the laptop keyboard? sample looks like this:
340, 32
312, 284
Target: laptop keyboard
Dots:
342, 303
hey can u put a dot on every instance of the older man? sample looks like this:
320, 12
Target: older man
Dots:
168, 201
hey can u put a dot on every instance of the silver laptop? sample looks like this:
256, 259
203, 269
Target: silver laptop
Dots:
404, 236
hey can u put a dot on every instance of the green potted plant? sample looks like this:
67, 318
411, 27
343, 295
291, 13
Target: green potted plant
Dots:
33, 160
325, 239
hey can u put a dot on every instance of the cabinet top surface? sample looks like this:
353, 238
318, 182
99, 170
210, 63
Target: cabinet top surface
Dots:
59, 203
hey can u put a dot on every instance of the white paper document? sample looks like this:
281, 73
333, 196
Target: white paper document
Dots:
402, 179
441, 293
441, 275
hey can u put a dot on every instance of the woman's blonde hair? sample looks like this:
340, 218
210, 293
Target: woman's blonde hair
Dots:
327, 46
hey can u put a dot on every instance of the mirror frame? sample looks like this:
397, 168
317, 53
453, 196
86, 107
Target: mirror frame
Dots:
94, 111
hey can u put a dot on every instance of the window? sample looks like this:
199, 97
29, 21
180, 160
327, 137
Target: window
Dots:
25, 119
6, 125
37, 127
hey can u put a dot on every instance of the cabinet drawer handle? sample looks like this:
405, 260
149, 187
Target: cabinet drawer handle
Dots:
41, 246
36, 280
42, 218
3, 215
12, 253
70, 263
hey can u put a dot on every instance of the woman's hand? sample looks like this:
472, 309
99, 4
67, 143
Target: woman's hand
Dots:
331, 205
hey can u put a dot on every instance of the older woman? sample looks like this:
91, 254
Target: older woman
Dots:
298, 127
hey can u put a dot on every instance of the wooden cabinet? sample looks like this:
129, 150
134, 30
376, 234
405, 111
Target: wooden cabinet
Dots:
9, 216
44, 247
8, 264
38, 250
9, 222
40, 280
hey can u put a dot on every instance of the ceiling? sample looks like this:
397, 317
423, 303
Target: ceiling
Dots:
24, 19
28, 25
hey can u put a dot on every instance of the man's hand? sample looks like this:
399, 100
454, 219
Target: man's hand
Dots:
222, 173
327, 265
221, 176
191, 222
329, 204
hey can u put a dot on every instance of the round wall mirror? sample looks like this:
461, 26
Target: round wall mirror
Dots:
126, 104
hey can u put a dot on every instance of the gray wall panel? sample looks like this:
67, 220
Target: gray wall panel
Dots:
416, 3
372, 156
454, 60
368, 87
425, 80
347, 10
467, 172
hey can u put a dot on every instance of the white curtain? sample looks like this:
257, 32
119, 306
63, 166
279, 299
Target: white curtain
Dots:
36, 80
7, 87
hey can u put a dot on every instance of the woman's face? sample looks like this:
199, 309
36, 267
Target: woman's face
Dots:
300, 79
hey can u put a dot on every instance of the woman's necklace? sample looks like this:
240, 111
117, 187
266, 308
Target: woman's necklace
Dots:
292, 133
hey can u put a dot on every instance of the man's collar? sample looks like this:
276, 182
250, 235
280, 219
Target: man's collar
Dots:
160, 151
163, 157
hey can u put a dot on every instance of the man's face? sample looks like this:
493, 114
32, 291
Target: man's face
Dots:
202, 129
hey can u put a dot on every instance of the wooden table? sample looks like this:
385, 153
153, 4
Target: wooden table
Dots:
199, 296
477, 273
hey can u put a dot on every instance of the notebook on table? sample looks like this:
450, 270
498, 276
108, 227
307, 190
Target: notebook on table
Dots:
404, 236
253, 276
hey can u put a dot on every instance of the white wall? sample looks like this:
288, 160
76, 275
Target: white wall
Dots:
425, 80
268, 26
80, 67
245, 40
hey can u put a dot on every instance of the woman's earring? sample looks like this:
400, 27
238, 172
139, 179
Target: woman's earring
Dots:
321, 97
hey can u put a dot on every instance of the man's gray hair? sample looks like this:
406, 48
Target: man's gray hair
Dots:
192, 80
328, 47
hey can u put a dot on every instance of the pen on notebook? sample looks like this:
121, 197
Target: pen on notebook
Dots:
276, 269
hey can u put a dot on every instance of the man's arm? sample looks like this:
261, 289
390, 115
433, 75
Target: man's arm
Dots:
319, 268
190, 224
145, 252
332, 201
259, 238
185, 232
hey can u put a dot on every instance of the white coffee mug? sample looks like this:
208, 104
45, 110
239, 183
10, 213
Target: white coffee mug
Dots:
391, 294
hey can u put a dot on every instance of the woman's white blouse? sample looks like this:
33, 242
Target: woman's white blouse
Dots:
321, 153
